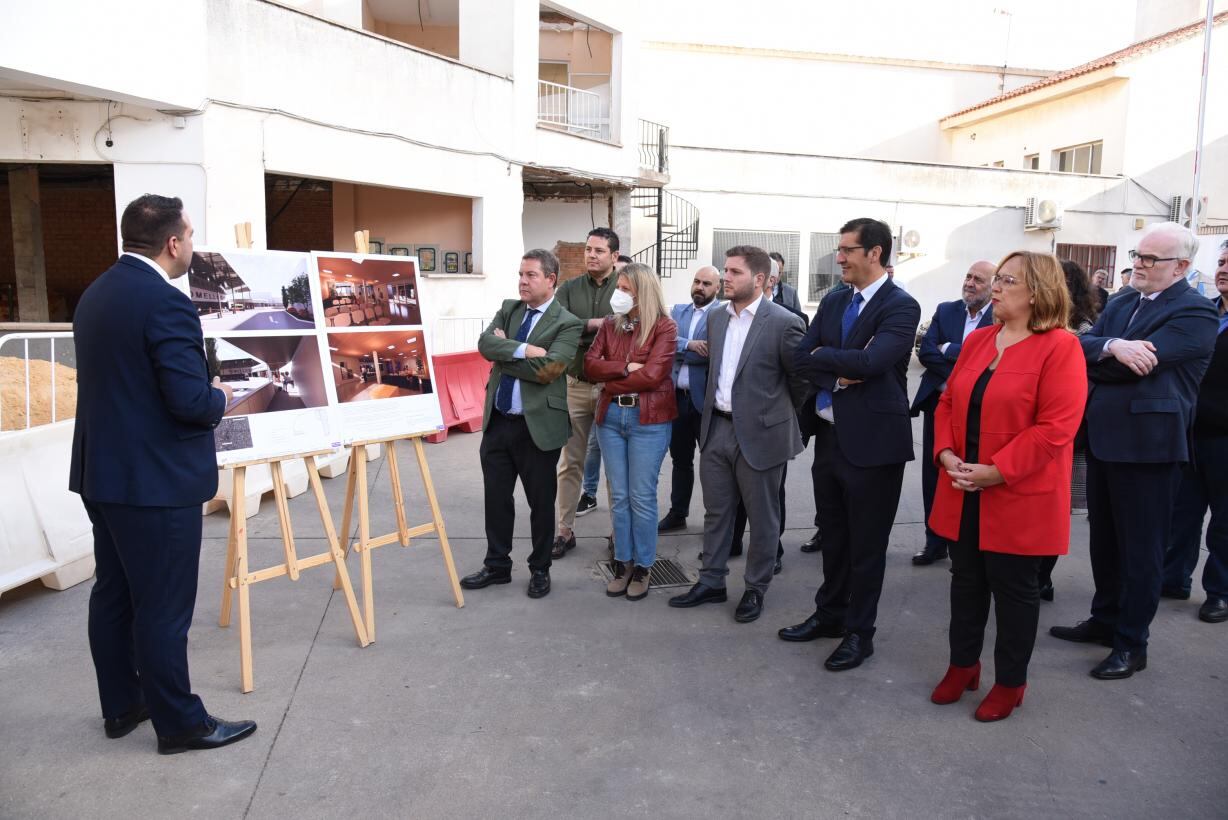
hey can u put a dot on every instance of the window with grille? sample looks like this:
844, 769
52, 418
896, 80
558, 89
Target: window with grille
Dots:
1079, 159
786, 244
824, 272
1090, 257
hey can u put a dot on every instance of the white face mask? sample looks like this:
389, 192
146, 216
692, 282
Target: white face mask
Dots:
621, 302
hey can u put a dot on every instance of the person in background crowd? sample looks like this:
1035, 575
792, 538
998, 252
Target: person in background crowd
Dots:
631, 359
749, 428
587, 297
1004, 436
143, 462
780, 291
940, 347
1100, 282
690, 378
1204, 481
530, 343
1126, 286
856, 354
1145, 358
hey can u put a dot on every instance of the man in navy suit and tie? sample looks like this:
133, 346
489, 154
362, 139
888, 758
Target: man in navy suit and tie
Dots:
143, 462
1146, 355
940, 347
690, 382
856, 354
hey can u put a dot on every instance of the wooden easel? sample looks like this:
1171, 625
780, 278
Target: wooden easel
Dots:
356, 486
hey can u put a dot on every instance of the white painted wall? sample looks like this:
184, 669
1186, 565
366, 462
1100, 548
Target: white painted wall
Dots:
550, 221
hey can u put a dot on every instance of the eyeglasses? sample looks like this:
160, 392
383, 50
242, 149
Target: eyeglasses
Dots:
1004, 280
1147, 261
845, 250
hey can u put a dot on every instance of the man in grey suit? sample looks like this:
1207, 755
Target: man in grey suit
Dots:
749, 428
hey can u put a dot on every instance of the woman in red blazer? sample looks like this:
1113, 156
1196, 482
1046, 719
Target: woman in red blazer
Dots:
1004, 433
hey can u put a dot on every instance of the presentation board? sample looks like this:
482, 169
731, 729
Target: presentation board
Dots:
320, 349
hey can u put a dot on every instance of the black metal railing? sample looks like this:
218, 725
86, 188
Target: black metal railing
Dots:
677, 224
654, 146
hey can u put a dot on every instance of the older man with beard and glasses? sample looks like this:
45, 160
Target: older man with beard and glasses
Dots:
940, 347
690, 382
1145, 358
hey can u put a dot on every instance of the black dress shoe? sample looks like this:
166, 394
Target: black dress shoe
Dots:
1176, 593
750, 607
214, 733
1088, 631
815, 544
810, 629
539, 583
1046, 592
698, 594
929, 555
850, 653
672, 522
485, 577
562, 546
1214, 611
778, 567
125, 723
1121, 663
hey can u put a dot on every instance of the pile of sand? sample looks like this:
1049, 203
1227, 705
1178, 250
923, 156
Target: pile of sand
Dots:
13, 393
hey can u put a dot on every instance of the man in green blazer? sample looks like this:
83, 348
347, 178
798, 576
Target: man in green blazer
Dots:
531, 342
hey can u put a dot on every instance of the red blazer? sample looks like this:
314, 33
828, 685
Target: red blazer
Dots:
1029, 415
610, 353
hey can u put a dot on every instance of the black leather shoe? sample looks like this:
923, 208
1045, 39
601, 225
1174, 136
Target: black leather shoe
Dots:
539, 583
929, 555
815, 544
1121, 663
562, 546
672, 522
1088, 631
214, 733
750, 607
850, 653
810, 629
698, 594
1214, 611
125, 723
485, 577
1046, 592
1176, 593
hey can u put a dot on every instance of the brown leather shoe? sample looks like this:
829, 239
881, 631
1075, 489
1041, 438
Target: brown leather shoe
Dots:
622, 577
562, 546
638, 586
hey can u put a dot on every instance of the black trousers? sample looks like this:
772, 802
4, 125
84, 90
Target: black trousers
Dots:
141, 605
929, 471
739, 518
508, 453
683, 439
1129, 513
856, 508
1010, 580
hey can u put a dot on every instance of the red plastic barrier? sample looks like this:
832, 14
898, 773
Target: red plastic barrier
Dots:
460, 382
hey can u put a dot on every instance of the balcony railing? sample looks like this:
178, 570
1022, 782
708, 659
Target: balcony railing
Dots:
654, 146
573, 110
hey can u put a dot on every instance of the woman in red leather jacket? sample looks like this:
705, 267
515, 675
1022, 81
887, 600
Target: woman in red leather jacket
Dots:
632, 358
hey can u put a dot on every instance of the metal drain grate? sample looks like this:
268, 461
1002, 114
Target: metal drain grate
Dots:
666, 573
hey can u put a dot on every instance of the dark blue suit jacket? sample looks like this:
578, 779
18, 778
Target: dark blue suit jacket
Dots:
145, 409
1147, 419
696, 365
946, 326
872, 424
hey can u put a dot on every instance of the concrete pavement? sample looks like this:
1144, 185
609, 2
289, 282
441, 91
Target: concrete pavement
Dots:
581, 706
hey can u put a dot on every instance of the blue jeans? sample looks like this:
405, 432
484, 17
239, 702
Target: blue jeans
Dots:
633, 454
592, 465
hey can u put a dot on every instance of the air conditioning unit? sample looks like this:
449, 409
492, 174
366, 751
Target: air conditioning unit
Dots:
910, 243
1181, 211
1041, 214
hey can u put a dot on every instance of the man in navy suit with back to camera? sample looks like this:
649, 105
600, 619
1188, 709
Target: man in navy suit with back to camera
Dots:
940, 347
1146, 355
143, 462
856, 354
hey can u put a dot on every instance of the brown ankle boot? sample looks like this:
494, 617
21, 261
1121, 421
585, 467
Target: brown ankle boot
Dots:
638, 587
622, 577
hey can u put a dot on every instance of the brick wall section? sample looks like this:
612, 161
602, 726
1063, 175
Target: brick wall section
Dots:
571, 259
307, 224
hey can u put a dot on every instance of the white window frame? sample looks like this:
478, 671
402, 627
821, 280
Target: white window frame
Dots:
1095, 158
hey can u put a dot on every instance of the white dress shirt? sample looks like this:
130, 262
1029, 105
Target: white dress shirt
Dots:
517, 409
684, 372
735, 338
157, 268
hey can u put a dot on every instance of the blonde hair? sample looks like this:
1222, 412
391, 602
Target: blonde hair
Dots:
1043, 275
648, 297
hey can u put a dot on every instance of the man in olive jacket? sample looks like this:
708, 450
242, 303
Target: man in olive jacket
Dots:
531, 342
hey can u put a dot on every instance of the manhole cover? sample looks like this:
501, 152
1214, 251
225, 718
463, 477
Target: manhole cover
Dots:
666, 573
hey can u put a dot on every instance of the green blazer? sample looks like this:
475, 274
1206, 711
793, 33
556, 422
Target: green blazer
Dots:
543, 388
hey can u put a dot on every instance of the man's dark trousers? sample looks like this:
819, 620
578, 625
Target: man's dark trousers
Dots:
682, 441
508, 453
148, 561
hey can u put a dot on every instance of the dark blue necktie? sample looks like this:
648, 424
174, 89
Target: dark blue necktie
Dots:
823, 400
503, 397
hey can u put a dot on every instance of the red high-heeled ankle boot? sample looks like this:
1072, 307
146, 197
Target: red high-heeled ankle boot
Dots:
959, 679
1000, 702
